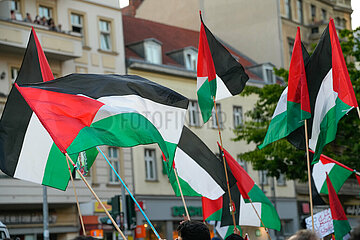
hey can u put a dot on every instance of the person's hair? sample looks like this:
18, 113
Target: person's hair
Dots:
84, 238
234, 236
304, 235
192, 230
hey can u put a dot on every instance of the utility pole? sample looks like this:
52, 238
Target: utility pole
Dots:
45, 214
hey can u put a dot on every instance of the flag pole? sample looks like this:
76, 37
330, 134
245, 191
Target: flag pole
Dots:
97, 198
131, 195
77, 201
182, 195
309, 174
266, 230
358, 111
231, 205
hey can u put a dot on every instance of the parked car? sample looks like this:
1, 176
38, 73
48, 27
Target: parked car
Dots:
4, 233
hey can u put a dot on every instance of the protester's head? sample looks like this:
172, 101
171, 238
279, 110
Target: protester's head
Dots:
234, 236
192, 230
304, 235
84, 238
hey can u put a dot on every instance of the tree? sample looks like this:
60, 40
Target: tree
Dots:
281, 157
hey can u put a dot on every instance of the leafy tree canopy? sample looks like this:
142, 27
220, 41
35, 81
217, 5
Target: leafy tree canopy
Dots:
281, 157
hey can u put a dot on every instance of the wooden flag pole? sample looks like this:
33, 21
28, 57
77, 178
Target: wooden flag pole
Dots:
97, 198
182, 195
225, 168
358, 111
77, 201
266, 230
309, 174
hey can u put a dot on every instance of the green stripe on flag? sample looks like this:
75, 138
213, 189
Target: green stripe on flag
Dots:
338, 176
206, 103
216, 216
328, 126
123, 130
341, 228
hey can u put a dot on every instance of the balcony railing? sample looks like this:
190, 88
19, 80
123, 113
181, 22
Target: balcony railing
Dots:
57, 45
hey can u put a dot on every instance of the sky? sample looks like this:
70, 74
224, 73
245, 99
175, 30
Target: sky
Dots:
355, 4
124, 3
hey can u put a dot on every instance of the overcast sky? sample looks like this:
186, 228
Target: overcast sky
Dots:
355, 4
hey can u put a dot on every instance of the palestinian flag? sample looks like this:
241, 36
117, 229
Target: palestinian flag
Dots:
200, 172
293, 106
330, 92
219, 75
241, 193
341, 225
81, 111
337, 172
27, 151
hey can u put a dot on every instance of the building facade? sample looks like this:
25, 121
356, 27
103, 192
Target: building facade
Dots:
76, 36
167, 55
262, 29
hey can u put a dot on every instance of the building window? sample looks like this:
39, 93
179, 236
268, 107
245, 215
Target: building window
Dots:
45, 11
191, 61
213, 115
113, 155
77, 24
324, 15
287, 227
150, 165
14, 73
105, 35
153, 52
242, 163
299, 7
194, 119
291, 47
313, 12
288, 8
269, 75
343, 23
238, 116
16, 7
263, 179
281, 181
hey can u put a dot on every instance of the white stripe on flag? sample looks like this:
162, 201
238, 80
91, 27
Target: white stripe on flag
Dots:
319, 173
168, 120
325, 100
34, 153
248, 216
282, 104
221, 90
203, 183
200, 81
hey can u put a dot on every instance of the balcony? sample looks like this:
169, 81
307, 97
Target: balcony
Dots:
57, 45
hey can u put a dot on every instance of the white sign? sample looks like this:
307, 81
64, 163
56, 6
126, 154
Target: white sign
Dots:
323, 223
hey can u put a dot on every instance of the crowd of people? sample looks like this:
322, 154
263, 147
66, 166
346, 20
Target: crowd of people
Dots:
50, 23
194, 230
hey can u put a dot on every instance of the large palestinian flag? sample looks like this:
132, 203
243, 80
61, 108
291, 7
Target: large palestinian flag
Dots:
200, 172
219, 75
337, 172
241, 193
293, 106
330, 92
81, 111
341, 225
27, 151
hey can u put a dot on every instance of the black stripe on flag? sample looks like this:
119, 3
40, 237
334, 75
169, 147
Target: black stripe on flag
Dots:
227, 68
16, 115
100, 85
202, 155
316, 69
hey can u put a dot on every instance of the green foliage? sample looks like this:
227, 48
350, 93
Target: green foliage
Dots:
280, 156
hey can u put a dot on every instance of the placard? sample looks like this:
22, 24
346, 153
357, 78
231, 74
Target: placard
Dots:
323, 223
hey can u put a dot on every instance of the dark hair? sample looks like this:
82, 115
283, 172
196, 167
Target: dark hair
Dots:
355, 233
304, 235
192, 230
84, 238
234, 236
